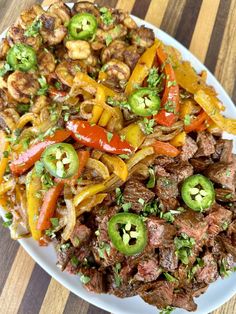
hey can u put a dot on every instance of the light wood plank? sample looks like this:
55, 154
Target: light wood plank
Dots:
125, 5
156, 12
226, 64
202, 32
55, 299
17, 282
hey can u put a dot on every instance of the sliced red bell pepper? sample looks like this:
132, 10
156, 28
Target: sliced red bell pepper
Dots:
196, 124
97, 137
28, 158
83, 158
170, 99
49, 206
166, 149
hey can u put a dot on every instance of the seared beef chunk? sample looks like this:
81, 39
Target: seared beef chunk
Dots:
135, 190
225, 195
223, 151
160, 171
218, 219
158, 293
167, 192
209, 272
160, 233
189, 149
200, 164
148, 270
198, 288
163, 161
180, 171
192, 223
168, 259
95, 278
206, 144
64, 254
184, 300
224, 174
229, 246
80, 234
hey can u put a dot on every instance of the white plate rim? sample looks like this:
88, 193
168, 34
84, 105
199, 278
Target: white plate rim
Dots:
121, 306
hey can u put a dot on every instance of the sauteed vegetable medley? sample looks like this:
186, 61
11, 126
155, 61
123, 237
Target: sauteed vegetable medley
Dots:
111, 149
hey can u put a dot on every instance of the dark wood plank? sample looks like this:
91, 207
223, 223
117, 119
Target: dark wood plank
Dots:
95, 310
74, 303
109, 3
35, 291
188, 21
217, 35
140, 8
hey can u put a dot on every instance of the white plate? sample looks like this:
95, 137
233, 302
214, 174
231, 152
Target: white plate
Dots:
218, 292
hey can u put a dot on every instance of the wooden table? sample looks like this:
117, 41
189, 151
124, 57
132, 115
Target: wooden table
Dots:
208, 29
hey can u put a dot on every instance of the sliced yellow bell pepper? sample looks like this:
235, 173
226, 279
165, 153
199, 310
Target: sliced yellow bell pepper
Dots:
4, 147
34, 203
140, 155
98, 109
117, 164
142, 68
26, 118
99, 167
179, 139
208, 105
105, 117
7, 186
88, 84
213, 128
133, 135
187, 108
88, 191
89, 203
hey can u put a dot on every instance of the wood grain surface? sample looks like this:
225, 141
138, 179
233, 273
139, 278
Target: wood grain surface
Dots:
208, 29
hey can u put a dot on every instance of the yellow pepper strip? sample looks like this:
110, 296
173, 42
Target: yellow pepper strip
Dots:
7, 186
133, 135
33, 185
208, 105
26, 118
179, 139
213, 128
116, 124
89, 203
188, 79
88, 191
117, 164
4, 147
3, 203
98, 109
140, 155
106, 116
99, 167
88, 84
142, 68
102, 76
187, 108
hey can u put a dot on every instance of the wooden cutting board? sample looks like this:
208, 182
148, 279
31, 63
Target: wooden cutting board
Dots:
208, 29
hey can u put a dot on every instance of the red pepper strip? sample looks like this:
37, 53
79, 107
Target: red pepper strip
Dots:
166, 149
196, 123
28, 158
170, 96
83, 158
49, 206
97, 137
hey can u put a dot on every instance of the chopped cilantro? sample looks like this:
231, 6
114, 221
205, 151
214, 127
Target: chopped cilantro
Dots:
184, 245
150, 208
34, 28
147, 125
116, 103
154, 78
228, 173
126, 206
117, 277
119, 196
141, 201
54, 222
167, 310
64, 247
123, 156
169, 277
122, 137
225, 225
152, 179
22, 108
227, 196
171, 83
25, 143
58, 86
104, 248
224, 268
106, 16
85, 279
108, 39
109, 136
97, 233
6, 68
5, 154
74, 261
39, 168
47, 181
169, 106
9, 220
43, 86
187, 119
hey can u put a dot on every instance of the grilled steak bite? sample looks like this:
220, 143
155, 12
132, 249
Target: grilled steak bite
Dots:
111, 151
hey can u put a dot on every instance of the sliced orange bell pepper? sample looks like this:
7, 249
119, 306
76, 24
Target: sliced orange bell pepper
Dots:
49, 205
142, 68
166, 149
196, 123
179, 139
28, 158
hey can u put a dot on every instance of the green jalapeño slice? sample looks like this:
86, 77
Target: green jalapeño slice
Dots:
82, 26
22, 57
